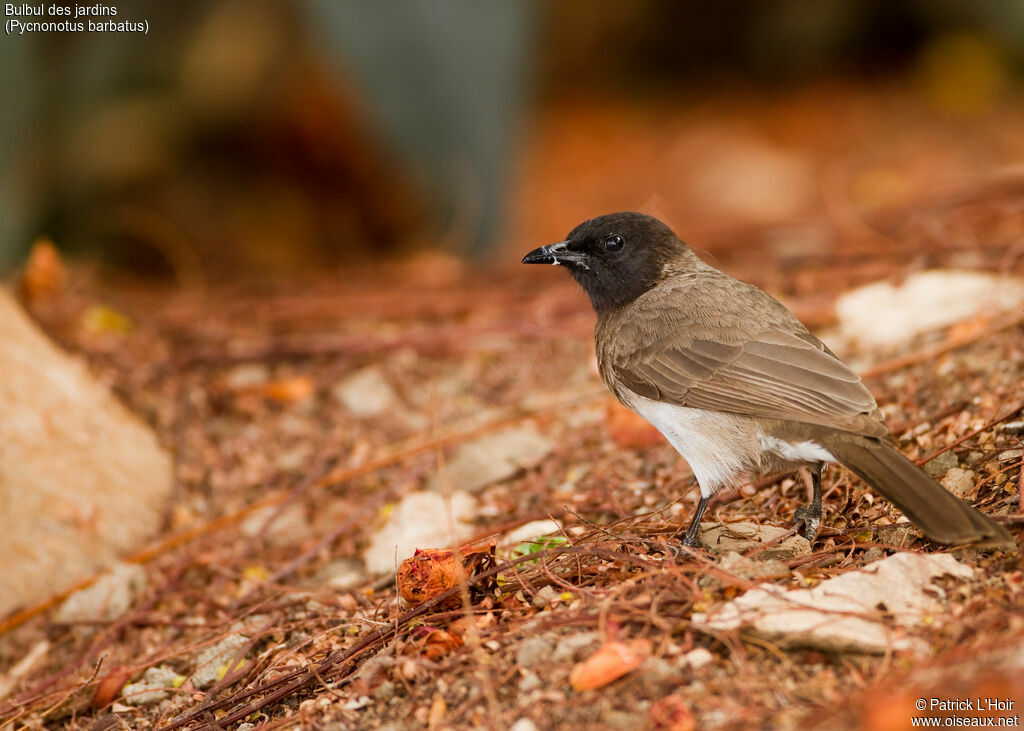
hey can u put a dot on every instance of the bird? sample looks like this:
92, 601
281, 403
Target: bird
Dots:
735, 382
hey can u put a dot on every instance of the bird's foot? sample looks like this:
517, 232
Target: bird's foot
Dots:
810, 517
686, 550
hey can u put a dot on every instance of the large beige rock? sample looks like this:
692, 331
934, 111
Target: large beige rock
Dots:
82, 480
870, 610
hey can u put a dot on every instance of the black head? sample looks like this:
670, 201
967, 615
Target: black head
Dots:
615, 258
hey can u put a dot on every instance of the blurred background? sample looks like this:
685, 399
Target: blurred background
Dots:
264, 137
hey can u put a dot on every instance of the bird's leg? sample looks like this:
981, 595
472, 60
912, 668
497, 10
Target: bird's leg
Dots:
810, 515
690, 539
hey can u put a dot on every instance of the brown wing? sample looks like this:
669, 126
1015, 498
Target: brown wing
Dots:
782, 372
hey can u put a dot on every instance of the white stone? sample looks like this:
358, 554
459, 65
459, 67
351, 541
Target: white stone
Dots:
82, 480
960, 482
156, 684
523, 724
366, 393
885, 314
697, 658
287, 526
529, 531
844, 614
496, 457
421, 520
215, 662
746, 536
107, 598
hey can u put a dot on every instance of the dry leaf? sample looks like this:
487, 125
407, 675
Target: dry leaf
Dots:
889, 712
610, 662
110, 686
968, 329
432, 571
437, 710
285, 390
435, 643
44, 272
671, 713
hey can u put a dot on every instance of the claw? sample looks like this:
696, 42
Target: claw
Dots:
679, 552
811, 520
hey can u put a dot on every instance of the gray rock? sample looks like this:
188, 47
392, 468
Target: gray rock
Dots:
873, 554
544, 596
153, 688
896, 534
534, 651
749, 568
108, 598
742, 537
941, 464
385, 691
496, 457
529, 682
366, 393
572, 647
657, 675
843, 614
342, 573
215, 662
959, 482
278, 526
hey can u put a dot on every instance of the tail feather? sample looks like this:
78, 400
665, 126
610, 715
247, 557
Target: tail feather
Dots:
937, 512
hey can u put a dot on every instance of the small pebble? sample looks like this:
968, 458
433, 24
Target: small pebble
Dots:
545, 596
523, 724
529, 682
941, 464
959, 482
570, 648
384, 691
697, 658
873, 554
534, 651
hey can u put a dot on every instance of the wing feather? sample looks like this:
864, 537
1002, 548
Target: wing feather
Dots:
779, 376
696, 342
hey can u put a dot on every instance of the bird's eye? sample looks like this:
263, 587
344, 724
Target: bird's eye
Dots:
613, 242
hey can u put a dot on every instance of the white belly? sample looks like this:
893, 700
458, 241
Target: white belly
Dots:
720, 448
717, 446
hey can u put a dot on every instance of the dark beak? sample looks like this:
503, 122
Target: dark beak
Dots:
552, 254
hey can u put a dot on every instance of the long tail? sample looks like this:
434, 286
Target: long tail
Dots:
940, 515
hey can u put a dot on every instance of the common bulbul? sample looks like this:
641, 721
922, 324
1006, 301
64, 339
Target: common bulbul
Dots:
734, 381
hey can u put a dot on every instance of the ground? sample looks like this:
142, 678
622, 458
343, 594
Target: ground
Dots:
284, 474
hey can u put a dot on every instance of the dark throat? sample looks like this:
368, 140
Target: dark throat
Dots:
610, 290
